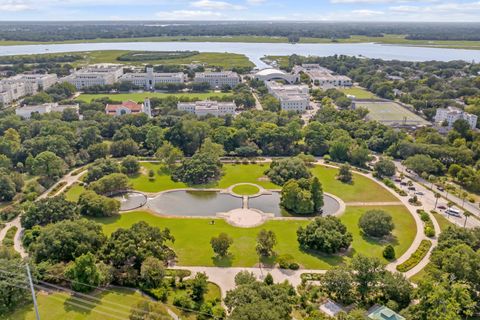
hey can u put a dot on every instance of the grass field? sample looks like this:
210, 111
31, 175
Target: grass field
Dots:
74, 192
117, 302
359, 93
246, 190
391, 112
443, 222
362, 189
386, 39
192, 238
139, 97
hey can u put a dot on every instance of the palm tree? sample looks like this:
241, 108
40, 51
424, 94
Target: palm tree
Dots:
467, 214
437, 196
464, 195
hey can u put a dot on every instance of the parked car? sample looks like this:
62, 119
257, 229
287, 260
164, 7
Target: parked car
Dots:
419, 193
453, 212
441, 207
412, 188
440, 189
398, 180
403, 183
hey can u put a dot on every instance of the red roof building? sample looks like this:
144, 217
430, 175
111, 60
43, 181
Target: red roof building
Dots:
128, 107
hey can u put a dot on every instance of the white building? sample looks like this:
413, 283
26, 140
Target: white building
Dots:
452, 114
270, 74
21, 85
27, 111
149, 78
129, 107
324, 77
218, 79
99, 74
292, 97
203, 108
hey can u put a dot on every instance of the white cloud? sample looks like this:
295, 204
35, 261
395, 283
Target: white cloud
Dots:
188, 15
255, 2
13, 6
215, 5
367, 13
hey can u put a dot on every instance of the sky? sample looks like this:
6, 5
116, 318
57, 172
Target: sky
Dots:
311, 10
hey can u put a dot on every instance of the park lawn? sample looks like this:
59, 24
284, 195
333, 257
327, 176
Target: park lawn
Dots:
443, 222
362, 189
246, 189
116, 302
161, 180
359, 93
74, 192
249, 173
141, 96
192, 238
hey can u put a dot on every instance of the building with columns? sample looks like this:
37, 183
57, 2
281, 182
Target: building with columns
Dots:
203, 108
149, 78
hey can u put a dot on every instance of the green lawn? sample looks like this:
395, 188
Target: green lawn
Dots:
74, 192
359, 93
362, 189
140, 96
389, 112
192, 238
246, 190
59, 306
443, 222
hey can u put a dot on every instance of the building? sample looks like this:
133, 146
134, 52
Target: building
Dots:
129, 107
292, 97
95, 75
383, 313
218, 79
331, 308
203, 108
451, 114
270, 74
27, 111
324, 77
16, 87
149, 78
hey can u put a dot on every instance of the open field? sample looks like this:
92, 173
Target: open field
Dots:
74, 192
389, 112
386, 39
117, 302
140, 96
359, 93
362, 189
192, 238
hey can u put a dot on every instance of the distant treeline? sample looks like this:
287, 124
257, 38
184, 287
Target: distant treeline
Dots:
45, 58
60, 31
156, 55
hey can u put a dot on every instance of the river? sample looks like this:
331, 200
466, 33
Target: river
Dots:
255, 51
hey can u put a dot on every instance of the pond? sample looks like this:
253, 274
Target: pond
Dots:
209, 203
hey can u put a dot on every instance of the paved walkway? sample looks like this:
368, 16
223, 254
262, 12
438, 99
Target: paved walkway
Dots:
373, 204
17, 240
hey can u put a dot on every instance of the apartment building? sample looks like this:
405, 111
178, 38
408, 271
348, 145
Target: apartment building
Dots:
324, 77
291, 97
16, 87
27, 111
203, 108
218, 79
99, 74
149, 78
451, 114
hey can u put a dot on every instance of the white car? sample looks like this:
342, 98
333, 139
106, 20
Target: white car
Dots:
453, 212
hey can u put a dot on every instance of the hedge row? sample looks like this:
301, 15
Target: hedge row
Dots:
416, 257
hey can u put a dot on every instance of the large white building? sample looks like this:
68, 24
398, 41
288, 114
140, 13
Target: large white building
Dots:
149, 78
218, 79
203, 108
21, 85
451, 114
99, 74
129, 107
275, 74
27, 111
291, 97
324, 77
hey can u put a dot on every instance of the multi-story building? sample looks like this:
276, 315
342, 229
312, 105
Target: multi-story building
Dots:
99, 74
129, 107
149, 78
10, 92
203, 108
27, 111
451, 114
291, 97
16, 87
43, 81
324, 77
218, 79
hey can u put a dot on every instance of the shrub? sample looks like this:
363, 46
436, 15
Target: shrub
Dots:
389, 252
285, 260
376, 223
416, 257
160, 294
429, 231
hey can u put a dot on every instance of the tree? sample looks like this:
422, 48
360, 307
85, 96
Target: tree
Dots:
152, 273
169, 155
338, 283
210, 148
7, 188
200, 169
122, 148
244, 277
268, 279
49, 165
326, 235
266, 240
101, 168
286, 169
304, 196
466, 214
376, 223
93, 205
317, 194
66, 240
462, 126
437, 196
367, 272
345, 175
111, 184
389, 252
149, 310
98, 150
423, 163
12, 296
199, 286
221, 244
83, 273
130, 165
339, 151
385, 168
49, 210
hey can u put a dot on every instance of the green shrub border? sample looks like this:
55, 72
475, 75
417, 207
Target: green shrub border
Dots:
416, 257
